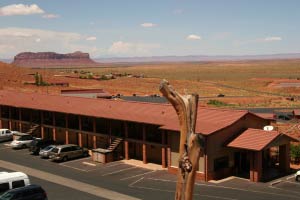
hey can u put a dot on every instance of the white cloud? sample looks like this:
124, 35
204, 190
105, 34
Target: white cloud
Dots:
193, 37
257, 41
148, 25
272, 38
91, 38
20, 9
132, 49
37, 40
50, 16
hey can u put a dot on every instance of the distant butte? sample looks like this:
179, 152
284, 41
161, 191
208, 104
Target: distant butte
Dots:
53, 60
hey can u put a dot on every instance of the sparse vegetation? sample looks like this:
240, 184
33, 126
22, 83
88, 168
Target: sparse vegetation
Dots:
39, 80
216, 103
295, 153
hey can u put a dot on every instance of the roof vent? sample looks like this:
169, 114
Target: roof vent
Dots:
268, 128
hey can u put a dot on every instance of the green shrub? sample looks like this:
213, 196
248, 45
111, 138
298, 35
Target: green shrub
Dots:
216, 103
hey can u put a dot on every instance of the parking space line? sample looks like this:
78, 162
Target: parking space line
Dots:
76, 160
290, 177
74, 168
133, 185
137, 175
116, 163
115, 172
232, 188
284, 190
77, 185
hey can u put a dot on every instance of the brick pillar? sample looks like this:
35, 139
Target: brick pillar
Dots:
94, 136
20, 119
256, 166
42, 125
1, 117
80, 134
163, 150
9, 120
67, 129
284, 158
54, 128
169, 156
251, 158
144, 145
126, 145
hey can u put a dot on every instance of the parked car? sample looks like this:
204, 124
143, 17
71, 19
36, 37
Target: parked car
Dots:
5, 134
44, 153
22, 140
29, 192
37, 144
67, 151
297, 176
11, 180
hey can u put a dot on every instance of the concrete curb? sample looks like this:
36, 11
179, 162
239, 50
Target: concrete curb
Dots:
275, 182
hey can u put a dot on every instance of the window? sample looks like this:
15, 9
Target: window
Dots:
66, 149
76, 148
16, 184
221, 163
4, 187
8, 131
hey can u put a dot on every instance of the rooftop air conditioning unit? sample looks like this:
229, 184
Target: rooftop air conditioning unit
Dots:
268, 128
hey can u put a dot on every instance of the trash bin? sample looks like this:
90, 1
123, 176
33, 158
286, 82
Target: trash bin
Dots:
101, 155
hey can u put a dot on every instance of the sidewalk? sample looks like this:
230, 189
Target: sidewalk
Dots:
139, 163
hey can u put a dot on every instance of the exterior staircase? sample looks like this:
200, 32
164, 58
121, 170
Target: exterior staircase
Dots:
33, 128
115, 144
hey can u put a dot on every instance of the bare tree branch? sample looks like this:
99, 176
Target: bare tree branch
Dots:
191, 144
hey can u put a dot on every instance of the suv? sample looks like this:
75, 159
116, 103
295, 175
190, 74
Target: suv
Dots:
67, 151
37, 144
29, 192
297, 176
22, 140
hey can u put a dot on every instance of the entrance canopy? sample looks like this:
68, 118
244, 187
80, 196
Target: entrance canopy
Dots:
257, 140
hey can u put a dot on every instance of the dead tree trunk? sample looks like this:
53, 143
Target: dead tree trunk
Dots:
191, 144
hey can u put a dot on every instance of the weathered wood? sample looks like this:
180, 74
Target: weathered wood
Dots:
191, 144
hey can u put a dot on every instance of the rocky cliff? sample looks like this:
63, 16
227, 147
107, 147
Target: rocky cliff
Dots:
51, 59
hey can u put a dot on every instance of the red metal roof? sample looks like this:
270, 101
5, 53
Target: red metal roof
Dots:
254, 139
266, 115
296, 112
209, 120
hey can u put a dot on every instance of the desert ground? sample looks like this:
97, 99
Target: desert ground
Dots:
273, 83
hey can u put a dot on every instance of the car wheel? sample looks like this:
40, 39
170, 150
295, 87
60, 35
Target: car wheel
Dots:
298, 178
65, 158
23, 146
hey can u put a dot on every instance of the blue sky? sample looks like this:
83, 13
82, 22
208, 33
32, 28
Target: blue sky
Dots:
118, 28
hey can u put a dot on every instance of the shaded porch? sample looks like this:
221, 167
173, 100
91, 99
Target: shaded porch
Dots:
254, 159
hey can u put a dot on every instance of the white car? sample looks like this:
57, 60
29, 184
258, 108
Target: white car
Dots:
297, 176
5, 134
44, 153
21, 141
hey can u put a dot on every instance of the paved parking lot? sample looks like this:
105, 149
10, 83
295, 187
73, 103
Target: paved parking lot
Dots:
144, 183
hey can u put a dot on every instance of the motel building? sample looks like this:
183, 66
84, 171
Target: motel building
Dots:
236, 144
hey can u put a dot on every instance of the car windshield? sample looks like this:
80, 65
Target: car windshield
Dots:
48, 148
55, 150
